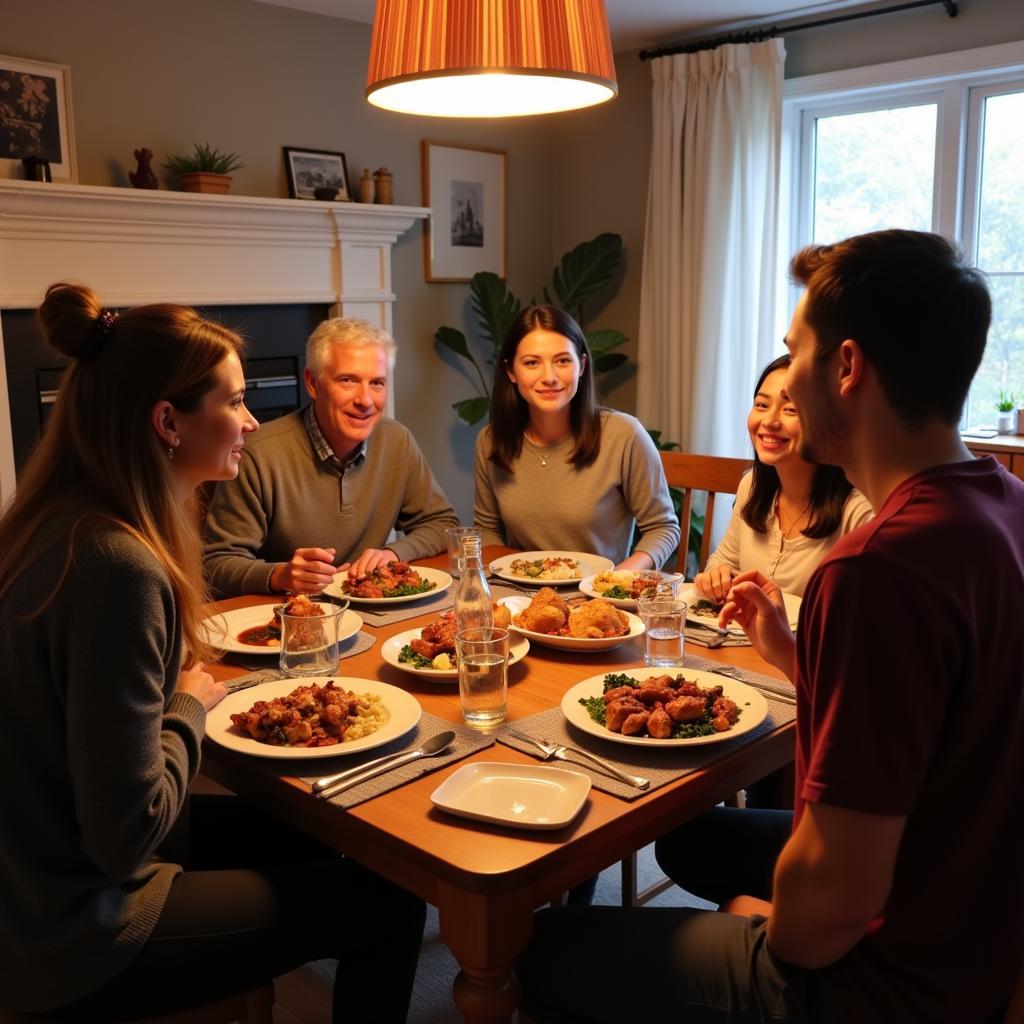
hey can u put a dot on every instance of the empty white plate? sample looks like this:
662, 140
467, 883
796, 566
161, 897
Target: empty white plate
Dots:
522, 795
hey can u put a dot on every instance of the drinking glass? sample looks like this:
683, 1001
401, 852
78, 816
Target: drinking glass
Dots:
309, 643
483, 675
454, 535
664, 619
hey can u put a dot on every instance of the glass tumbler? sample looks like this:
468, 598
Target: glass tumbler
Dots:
483, 675
454, 535
309, 643
664, 619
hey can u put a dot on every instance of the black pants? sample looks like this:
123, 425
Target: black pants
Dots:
256, 900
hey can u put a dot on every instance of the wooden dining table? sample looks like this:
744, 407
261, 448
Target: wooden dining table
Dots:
487, 880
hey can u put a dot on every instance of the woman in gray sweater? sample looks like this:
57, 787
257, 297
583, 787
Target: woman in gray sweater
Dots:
555, 471
111, 906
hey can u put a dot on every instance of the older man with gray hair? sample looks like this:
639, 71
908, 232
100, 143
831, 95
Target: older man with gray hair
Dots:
314, 494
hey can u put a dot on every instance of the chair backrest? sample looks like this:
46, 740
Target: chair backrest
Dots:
707, 473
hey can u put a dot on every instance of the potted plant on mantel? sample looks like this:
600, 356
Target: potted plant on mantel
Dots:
205, 169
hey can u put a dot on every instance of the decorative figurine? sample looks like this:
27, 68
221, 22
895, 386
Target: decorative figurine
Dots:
385, 186
143, 176
366, 186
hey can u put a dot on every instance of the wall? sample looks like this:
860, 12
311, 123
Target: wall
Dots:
250, 78
602, 156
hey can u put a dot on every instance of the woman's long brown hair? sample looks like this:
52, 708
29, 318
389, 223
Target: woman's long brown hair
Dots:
100, 461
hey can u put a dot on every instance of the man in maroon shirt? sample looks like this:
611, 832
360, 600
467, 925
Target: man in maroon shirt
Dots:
897, 897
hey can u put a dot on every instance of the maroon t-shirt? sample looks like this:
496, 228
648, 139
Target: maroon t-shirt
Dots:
910, 672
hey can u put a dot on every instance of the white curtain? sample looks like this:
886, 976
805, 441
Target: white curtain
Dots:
709, 269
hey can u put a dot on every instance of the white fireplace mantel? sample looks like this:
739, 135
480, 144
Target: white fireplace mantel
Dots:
137, 246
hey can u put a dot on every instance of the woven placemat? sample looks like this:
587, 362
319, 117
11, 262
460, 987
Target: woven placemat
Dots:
384, 615
467, 742
258, 663
660, 766
702, 636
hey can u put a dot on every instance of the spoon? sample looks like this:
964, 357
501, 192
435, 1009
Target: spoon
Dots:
332, 784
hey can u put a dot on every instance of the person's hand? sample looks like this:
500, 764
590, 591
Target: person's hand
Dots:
755, 602
308, 572
714, 582
198, 682
368, 560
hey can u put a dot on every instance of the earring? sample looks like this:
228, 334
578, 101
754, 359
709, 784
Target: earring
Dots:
171, 450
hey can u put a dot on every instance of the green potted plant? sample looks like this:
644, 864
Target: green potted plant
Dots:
205, 169
1006, 405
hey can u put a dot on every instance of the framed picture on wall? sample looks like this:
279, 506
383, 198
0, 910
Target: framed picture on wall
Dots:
464, 186
35, 118
312, 169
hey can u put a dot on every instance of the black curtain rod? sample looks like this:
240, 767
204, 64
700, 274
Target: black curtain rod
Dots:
760, 35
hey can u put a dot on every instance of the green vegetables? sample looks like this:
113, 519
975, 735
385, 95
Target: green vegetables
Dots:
407, 589
408, 656
618, 593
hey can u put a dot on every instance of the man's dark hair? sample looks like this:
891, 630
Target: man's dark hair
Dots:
915, 307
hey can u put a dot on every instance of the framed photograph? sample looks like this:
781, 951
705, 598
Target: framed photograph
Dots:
35, 117
464, 186
310, 169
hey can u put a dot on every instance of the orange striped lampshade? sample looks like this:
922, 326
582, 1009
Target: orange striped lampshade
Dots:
490, 58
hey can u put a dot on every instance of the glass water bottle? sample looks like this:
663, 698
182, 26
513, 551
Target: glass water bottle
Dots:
473, 598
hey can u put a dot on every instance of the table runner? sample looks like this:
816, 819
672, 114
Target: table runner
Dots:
660, 766
261, 662
467, 741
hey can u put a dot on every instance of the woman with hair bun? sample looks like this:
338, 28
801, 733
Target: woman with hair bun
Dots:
117, 901
556, 471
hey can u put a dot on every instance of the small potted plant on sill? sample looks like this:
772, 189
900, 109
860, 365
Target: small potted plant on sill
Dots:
205, 169
1005, 423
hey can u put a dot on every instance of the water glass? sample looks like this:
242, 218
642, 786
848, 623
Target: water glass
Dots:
483, 675
664, 619
309, 643
454, 535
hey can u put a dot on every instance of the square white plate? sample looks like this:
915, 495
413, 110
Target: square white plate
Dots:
521, 795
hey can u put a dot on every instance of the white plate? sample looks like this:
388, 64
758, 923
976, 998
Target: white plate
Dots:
223, 628
523, 795
629, 603
688, 593
517, 603
438, 576
590, 565
518, 646
753, 707
403, 713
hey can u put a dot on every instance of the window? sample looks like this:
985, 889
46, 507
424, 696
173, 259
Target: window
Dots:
931, 145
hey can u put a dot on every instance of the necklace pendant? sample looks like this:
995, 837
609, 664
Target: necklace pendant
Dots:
543, 461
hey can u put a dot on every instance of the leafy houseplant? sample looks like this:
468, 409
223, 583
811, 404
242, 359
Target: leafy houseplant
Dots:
1005, 422
1006, 402
582, 272
205, 169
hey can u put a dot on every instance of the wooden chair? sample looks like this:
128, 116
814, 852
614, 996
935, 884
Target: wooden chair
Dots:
253, 1007
707, 473
690, 473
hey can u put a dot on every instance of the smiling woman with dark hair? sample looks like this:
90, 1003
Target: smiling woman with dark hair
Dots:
788, 512
556, 471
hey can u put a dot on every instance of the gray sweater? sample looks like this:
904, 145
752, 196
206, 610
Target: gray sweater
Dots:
96, 754
562, 507
287, 497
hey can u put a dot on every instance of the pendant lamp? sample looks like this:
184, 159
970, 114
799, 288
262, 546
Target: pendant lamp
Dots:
490, 58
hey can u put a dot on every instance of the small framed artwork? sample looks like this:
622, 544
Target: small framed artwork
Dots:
35, 118
313, 169
464, 186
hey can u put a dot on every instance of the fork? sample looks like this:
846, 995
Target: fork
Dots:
738, 675
560, 752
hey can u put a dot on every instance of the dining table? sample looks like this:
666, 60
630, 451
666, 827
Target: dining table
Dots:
486, 879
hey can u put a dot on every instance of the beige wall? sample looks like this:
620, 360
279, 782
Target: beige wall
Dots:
250, 78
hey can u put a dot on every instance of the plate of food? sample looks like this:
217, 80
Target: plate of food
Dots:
580, 625
394, 583
703, 612
622, 587
430, 651
311, 718
257, 629
521, 795
549, 568
696, 707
